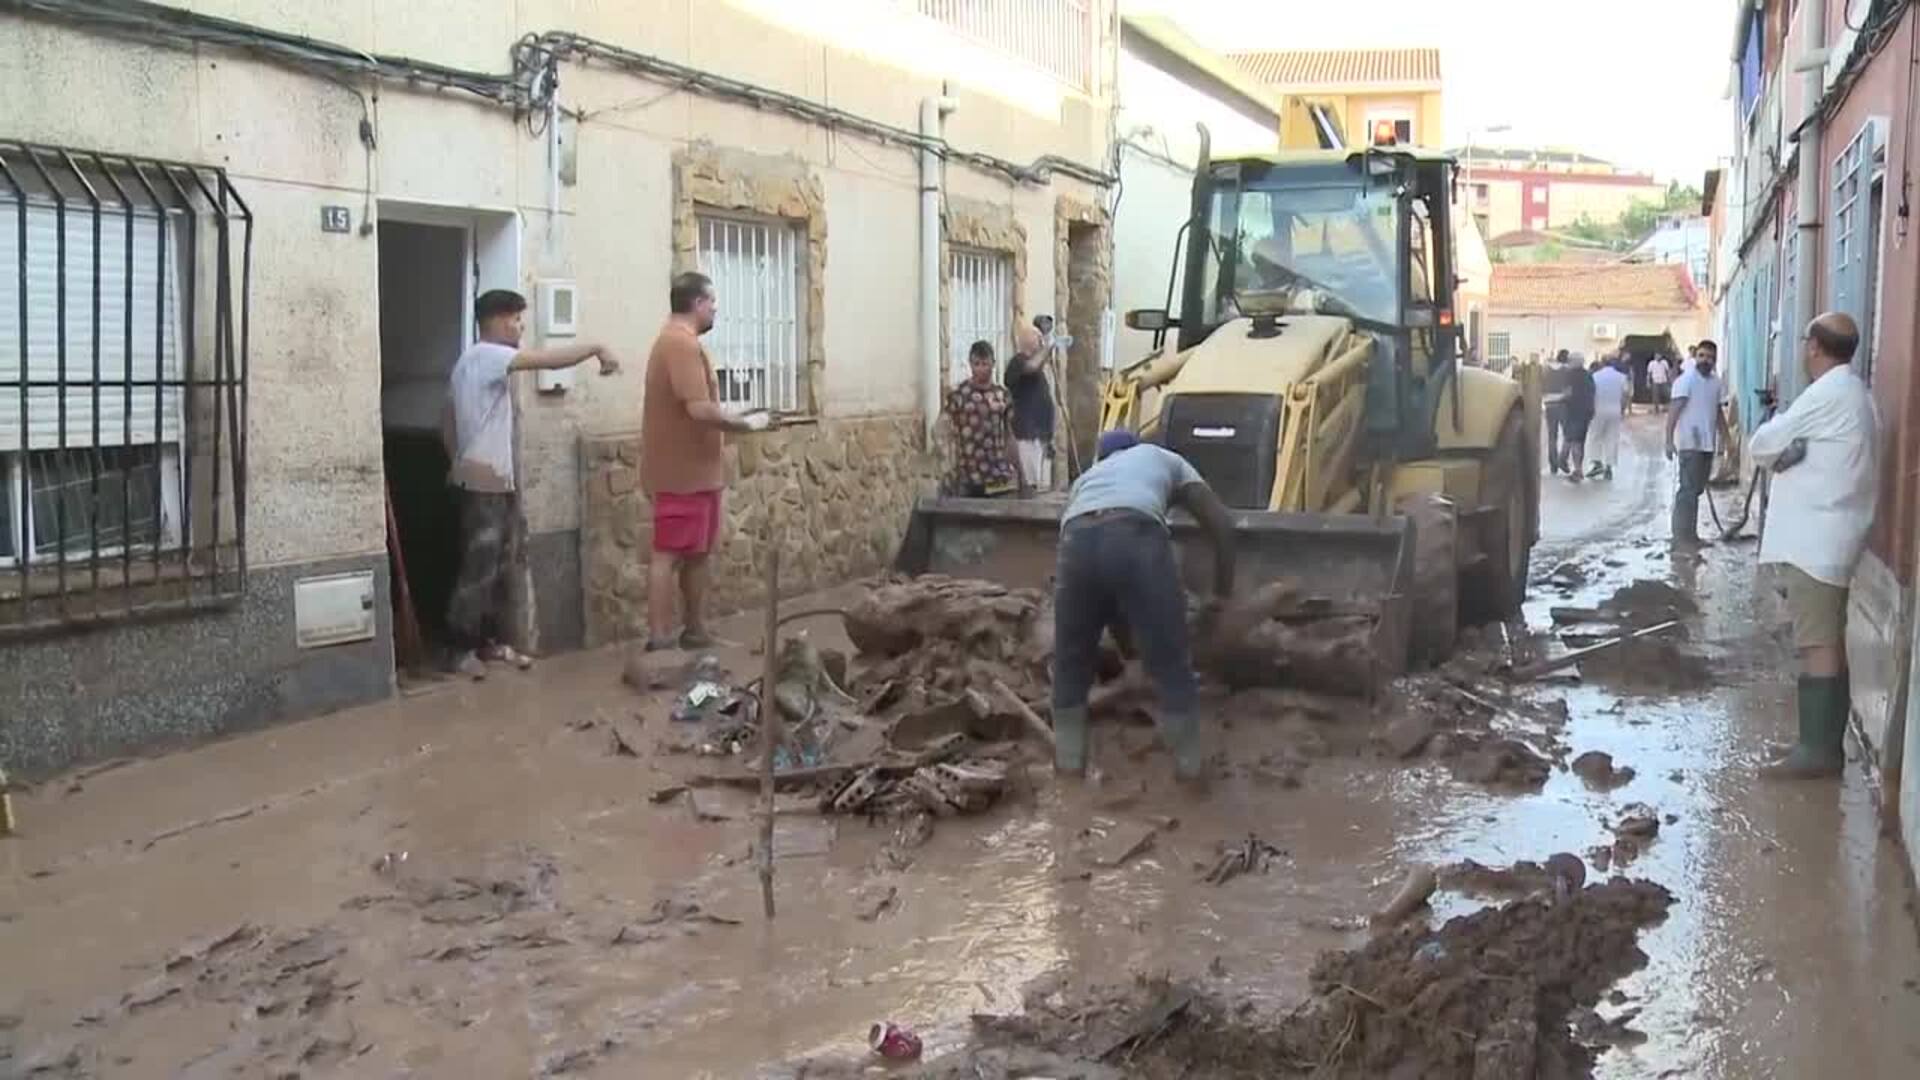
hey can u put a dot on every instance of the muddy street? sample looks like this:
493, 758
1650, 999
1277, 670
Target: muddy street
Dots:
503, 879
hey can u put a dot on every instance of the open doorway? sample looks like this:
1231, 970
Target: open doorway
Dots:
1638, 350
425, 279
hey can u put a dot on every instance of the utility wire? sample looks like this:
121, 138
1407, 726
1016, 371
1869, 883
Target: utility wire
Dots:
529, 88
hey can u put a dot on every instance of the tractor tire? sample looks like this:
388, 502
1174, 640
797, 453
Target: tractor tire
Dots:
1493, 589
1435, 610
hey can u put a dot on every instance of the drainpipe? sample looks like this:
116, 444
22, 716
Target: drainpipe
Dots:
1813, 31
932, 112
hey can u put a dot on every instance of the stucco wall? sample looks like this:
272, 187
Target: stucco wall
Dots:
1547, 333
290, 142
291, 145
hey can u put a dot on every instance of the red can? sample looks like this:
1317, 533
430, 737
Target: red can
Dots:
894, 1042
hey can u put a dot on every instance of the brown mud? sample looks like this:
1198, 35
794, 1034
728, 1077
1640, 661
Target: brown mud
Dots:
1488, 995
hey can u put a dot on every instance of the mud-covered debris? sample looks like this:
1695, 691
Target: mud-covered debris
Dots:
1121, 843
1471, 878
1503, 762
1568, 575
1275, 637
1601, 856
1649, 601
1489, 995
1595, 1030
1415, 889
1638, 821
1408, 735
1250, 856
1596, 767
680, 909
875, 900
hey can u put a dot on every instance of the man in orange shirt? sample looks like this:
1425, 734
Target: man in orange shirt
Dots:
682, 426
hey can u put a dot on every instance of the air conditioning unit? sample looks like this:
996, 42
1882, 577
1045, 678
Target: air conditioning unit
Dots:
1605, 331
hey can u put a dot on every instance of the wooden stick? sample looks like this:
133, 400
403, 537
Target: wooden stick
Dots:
1034, 723
1546, 667
769, 721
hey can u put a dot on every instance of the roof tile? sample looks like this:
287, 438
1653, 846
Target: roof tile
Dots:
1585, 287
1339, 67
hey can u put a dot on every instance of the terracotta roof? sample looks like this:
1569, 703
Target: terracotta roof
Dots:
1583, 287
1342, 67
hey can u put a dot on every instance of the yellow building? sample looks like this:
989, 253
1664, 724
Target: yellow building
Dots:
1367, 87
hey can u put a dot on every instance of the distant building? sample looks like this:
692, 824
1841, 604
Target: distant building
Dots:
1682, 239
1365, 87
1511, 190
1530, 246
1537, 310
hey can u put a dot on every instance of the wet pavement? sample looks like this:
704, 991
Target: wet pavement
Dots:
468, 882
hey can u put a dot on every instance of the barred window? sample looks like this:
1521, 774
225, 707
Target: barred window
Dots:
980, 307
122, 375
756, 341
1499, 343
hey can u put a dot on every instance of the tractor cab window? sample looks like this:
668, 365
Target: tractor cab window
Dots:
1302, 249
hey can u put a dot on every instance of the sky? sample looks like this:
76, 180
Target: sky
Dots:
1638, 82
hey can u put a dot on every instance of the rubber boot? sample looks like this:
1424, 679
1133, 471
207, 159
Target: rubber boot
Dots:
1070, 741
1824, 704
1181, 732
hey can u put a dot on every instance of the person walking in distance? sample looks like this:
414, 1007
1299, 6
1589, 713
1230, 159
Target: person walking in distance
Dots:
1553, 399
478, 428
1116, 568
1693, 435
1659, 380
1579, 418
682, 440
1822, 453
1032, 395
980, 416
1612, 394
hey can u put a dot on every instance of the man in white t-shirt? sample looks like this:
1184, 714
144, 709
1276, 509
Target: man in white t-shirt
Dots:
1660, 379
1612, 391
1826, 481
1693, 435
478, 428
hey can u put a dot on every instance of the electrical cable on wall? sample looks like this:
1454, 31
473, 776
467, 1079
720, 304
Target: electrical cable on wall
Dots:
529, 89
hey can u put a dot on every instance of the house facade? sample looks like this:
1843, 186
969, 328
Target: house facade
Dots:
253, 233
1816, 219
1364, 88
1588, 309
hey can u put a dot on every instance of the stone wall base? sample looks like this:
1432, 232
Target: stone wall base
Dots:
833, 497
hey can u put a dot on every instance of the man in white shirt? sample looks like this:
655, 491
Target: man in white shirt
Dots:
1659, 376
1693, 434
1822, 452
478, 429
1612, 392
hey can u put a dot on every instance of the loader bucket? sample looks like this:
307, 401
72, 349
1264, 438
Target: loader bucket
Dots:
1349, 564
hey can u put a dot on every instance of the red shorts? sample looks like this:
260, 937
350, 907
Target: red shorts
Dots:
686, 524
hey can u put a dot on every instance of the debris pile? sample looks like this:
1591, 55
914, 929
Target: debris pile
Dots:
1275, 636
1492, 994
925, 641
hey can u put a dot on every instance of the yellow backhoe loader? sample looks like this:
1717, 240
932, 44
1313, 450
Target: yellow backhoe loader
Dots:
1311, 372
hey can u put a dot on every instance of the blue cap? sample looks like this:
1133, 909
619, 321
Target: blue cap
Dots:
1112, 442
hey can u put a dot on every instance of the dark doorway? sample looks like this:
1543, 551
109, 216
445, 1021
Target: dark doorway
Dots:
425, 272
1638, 350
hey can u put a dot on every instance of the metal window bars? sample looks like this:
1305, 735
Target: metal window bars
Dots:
979, 309
123, 387
756, 269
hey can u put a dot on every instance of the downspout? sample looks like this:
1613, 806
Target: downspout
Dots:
1813, 37
933, 110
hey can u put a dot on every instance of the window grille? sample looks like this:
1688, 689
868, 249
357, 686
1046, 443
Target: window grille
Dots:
756, 340
123, 359
979, 308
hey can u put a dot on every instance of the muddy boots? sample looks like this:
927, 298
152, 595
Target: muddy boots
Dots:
1824, 706
1070, 741
1181, 733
